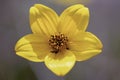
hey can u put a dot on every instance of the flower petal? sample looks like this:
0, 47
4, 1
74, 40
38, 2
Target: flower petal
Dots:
60, 63
85, 45
68, 28
79, 14
85, 55
43, 19
32, 47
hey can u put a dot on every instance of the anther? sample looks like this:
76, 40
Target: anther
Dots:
58, 43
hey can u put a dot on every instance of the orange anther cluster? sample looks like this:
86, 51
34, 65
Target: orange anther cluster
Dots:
58, 43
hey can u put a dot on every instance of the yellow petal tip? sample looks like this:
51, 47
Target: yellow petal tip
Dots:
60, 64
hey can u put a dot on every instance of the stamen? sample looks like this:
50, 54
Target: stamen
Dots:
58, 43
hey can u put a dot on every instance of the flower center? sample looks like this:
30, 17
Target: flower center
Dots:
58, 43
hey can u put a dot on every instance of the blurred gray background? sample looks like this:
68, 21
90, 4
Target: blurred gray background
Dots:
104, 22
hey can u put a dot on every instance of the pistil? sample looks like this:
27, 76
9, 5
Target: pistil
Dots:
58, 43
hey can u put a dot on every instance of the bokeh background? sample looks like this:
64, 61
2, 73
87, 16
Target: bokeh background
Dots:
104, 22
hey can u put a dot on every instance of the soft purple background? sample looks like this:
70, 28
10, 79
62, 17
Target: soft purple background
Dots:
104, 22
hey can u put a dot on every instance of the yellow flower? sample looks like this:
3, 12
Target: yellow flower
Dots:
59, 41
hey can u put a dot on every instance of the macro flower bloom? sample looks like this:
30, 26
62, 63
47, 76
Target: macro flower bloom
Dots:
58, 41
